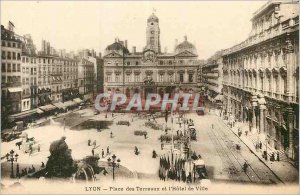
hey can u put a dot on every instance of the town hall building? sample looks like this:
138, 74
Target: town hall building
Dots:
151, 70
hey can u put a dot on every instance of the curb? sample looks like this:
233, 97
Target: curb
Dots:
252, 151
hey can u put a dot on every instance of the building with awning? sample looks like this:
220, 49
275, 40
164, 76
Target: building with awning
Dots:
22, 114
47, 108
219, 97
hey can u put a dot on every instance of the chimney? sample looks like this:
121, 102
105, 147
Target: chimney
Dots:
126, 44
11, 26
134, 49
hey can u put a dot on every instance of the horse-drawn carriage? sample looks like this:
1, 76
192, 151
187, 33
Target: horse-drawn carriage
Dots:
12, 133
200, 169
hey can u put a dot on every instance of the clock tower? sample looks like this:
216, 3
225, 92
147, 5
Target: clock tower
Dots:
153, 34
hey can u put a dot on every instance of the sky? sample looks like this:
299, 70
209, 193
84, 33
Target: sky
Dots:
73, 25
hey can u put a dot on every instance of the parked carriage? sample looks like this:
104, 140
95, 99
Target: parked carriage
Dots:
123, 123
200, 169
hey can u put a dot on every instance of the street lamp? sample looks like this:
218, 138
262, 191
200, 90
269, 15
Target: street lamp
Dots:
113, 161
10, 157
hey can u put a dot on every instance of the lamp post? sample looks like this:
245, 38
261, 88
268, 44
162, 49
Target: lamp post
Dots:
10, 157
113, 161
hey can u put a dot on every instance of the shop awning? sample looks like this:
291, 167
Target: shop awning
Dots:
219, 97
39, 111
14, 89
47, 108
69, 103
77, 100
87, 96
59, 105
23, 114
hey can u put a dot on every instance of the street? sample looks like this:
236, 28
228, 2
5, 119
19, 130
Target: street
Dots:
217, 146
224, 162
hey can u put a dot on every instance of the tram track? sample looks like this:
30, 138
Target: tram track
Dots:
236, 167
250, 173
271, 178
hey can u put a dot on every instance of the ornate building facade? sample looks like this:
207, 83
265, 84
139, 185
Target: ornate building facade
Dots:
261, 77
150, 71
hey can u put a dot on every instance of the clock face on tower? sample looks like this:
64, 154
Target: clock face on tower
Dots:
152, 32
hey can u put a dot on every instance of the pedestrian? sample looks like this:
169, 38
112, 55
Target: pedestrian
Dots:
161, 146
19, 144
43, 165
94, 144
177, 132
154, 155
102, 153
245, 166
32, 169
18, 171
111, 134
30, 149
145, 136
278, 156
212, 126
136, 150
29, 170
89, 142
93, 152
260, 145
39, 148
107, 150
246, 133
25, 171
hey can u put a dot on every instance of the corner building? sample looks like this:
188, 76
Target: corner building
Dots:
261, 77
150, 71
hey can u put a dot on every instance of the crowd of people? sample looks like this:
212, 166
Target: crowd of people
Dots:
94, 144
179, 169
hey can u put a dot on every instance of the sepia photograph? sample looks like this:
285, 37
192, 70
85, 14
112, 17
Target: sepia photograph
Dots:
149, 97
